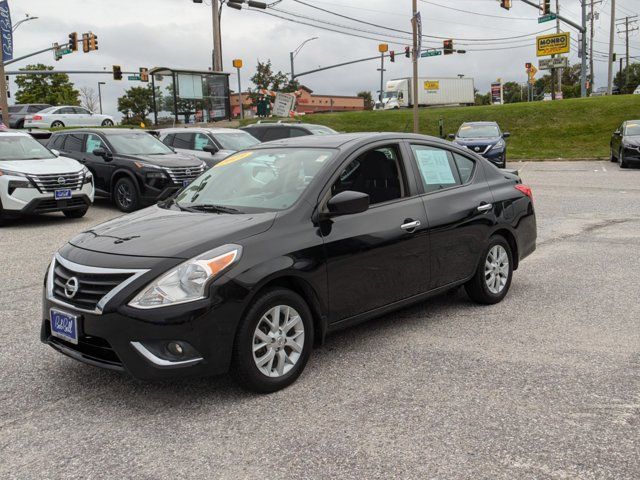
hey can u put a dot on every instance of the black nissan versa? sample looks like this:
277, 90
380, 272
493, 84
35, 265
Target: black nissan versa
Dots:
484, 138
131, 167
263, 255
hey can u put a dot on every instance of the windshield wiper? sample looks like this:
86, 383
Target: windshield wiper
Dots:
207, 207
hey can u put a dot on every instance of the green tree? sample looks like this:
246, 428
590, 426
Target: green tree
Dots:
54, 89
266, 78
620, 80
513, 92
135, 105
368, 99
482, 99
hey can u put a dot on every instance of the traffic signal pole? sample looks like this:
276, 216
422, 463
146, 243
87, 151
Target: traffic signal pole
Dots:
217, 43
416, 54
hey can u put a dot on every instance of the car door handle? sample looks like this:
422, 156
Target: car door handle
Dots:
485, 207
410, 225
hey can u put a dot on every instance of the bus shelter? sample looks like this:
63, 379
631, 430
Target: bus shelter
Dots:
189, 96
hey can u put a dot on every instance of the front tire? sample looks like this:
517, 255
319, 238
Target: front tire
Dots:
612, 157
125, 195
492, 279
273, 342
79, 213
621, 161
57, 124
107, 123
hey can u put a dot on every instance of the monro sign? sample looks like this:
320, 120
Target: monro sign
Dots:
553, 44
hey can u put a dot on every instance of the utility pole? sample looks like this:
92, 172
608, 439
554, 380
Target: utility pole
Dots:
592, 18
416, 54
628, 28
558, 71
583, 74
217, 44
612, 28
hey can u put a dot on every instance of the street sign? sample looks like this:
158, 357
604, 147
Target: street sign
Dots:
551, 63
547, 18
65, 51
553, 44
133, 78
431, 53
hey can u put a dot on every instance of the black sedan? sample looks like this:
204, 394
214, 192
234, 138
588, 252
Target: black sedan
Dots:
131, 167
258, 259
484, 138
625, 144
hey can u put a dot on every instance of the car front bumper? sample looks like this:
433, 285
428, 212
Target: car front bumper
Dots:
134, 341
631, 154
28, 201
497, 157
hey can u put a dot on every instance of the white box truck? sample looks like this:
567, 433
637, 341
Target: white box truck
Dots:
431, 91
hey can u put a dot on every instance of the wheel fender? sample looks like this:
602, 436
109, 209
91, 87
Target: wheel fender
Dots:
119, 173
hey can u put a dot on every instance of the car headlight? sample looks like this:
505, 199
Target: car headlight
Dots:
12, 174
501, 144
87, 175
188, 281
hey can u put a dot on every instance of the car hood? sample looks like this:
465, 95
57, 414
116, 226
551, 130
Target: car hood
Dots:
42, 167
632, 141
167, 160
472, 142
164, 233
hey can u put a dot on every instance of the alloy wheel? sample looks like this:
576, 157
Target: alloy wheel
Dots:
124, 195
496, 269
278, 341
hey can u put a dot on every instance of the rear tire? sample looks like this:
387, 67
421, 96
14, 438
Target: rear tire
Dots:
125, 195
269, 353
492, 279
57, 124
107, 123
79, 213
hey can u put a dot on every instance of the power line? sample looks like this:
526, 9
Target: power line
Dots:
478, 13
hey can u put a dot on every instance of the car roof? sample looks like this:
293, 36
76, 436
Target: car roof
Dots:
104, 131
283, 124
480, 123
13, 133
198, 130
345, 140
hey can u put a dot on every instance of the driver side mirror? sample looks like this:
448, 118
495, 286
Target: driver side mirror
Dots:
451, 136
506, 135
617, 132
212, 149
348, 203
101, 152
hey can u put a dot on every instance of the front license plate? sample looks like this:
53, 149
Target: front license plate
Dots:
64, 194
64, 326
186, 182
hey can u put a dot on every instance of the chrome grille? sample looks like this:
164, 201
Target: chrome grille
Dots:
52, 182
180, 174
93, 286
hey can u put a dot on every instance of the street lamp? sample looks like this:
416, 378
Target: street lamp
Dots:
293, 54
27, 19
100, 95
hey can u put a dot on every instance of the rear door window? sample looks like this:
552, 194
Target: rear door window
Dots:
74, 142
465, 167
183, 140
437, 168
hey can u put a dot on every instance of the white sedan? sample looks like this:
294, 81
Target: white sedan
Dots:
67, 116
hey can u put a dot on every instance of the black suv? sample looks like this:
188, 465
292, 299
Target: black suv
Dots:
17, 113
265, 132
131, 167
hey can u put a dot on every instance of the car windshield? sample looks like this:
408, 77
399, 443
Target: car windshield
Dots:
478, 131
321, 130
632, 129
255, 181
390, 95
236, 140
138, 143
22, 148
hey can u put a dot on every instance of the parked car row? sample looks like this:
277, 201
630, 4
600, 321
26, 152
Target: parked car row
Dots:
38, 115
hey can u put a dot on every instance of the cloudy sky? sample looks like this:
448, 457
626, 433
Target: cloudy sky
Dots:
178, 33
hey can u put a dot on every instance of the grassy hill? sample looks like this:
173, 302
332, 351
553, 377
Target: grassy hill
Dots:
574, 128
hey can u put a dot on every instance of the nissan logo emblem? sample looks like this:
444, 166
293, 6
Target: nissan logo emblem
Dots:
61, 180
477, 149
187, 172
71, 287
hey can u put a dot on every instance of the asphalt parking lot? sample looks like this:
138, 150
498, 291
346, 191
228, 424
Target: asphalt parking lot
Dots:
544, 385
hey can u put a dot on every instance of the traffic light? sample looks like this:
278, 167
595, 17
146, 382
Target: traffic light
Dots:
117, 72
93, 41
506, 4
546, 7
392, 56
527, 66
144, 74
85, 43
407, 52
73, 42
448, 47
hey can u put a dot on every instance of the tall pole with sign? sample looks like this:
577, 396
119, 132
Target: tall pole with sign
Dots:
583, 73
237, 63
416, 54
382, 48
6, 54
612, 29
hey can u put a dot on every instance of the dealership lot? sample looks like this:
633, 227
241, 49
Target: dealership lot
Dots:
545, 384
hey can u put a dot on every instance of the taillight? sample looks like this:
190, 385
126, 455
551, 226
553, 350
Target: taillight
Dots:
526, 190
36, 117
